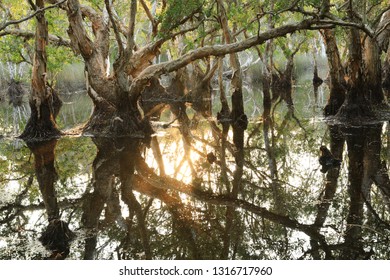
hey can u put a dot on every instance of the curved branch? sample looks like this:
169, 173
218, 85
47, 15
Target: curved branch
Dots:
364, 27
217, 50
39, 11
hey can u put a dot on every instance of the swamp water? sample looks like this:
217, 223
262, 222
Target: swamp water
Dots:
181, 204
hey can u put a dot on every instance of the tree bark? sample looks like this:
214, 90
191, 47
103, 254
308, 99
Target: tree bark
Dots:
336, 74
356, 105
373, 72
44, 101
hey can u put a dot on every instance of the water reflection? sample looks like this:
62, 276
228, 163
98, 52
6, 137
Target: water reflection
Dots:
57, 236
121, 198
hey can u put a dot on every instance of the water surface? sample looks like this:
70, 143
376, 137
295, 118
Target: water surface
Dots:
104, 198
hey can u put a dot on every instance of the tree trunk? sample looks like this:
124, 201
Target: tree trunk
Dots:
355, 105
325, 200
353, 247
105, 166
46, 174
336, 74
44, 101
373, 72
57, 236
336, 147
239, 124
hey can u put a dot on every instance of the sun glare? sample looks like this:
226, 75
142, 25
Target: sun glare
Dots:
179, 162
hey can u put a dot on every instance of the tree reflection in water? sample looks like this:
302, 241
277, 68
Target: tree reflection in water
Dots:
57, 236
266, 201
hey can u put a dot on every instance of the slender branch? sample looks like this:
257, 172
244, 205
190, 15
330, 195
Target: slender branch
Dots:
335, 21
130, 35
114, 26
33, 6
147, 11
54, 39
150, 16
38, 11
147, 53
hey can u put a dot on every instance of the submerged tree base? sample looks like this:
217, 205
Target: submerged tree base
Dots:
42, 125
108, 122
355, 111
332, 107
39, 129
57, 238
39, 132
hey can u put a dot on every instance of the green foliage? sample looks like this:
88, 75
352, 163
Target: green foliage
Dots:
175, 12
313, 3
58, 58
12, 49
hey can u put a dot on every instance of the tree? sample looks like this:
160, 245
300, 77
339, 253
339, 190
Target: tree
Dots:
116, 94
360, 80
44, 101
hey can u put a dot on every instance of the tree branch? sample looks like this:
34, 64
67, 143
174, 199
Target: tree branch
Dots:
217, 50
130, 34
54, 39
335, 21
38, 11
115, 27
150, 16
